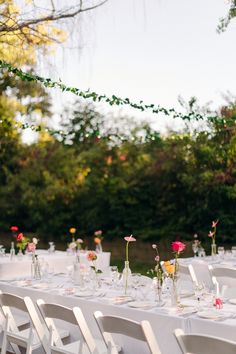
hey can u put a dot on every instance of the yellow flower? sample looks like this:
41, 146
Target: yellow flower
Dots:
72, 230
97, 240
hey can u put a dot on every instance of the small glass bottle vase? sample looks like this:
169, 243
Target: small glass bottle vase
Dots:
174, 292
35, 268
99, 248
213, 249
126, 276
20, 255
158, 291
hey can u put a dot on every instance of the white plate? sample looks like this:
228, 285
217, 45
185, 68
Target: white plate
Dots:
84, 294
232, 301
41, 286
186, 293
213, 314
142, 304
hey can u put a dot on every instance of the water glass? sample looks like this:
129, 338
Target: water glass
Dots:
114, 274
221, 252
233, 250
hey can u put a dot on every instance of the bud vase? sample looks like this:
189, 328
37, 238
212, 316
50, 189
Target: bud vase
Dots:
213, 249
99, 248
20, 255
126, 275
158, 291
174, 292
35, 268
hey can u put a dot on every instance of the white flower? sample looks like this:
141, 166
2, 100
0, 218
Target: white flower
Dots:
35, 240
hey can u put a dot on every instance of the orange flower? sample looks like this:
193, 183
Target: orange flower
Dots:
91, 256
170, 268
72, 230
97, 240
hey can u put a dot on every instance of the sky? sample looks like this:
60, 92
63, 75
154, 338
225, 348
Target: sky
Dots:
150, 50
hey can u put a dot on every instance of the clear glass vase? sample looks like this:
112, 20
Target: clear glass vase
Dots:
213, 249
126, 275
20, 255
158, 291
99, 248
35, 268
174, 291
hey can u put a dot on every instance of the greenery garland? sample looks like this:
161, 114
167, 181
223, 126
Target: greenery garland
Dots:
113, 100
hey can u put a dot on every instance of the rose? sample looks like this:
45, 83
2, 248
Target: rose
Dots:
31, 247
19, 237
14, 228
91, 256
178, 246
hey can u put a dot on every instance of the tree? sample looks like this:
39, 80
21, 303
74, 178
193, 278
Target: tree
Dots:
225, 21
25, 29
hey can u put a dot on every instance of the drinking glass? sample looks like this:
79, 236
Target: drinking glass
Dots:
135, 281
195, 249
233, 250
221, 252
198, 291
114, 275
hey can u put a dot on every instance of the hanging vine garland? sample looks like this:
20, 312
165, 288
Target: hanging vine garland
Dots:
113, 100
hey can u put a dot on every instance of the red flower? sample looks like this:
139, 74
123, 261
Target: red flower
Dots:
178, 246
19, 237
14, 228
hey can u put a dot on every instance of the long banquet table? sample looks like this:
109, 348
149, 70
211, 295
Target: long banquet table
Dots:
58, 260
163, 319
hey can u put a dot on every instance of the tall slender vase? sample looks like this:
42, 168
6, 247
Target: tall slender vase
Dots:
158, 288
126, 275
213, 249
20, 255
99, 248
174, 291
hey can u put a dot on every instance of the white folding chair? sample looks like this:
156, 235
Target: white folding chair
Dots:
202, 344
141, 331
51, 312
224, 276
12, 335
187, 273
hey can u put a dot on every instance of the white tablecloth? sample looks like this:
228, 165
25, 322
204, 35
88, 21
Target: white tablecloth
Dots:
59, 260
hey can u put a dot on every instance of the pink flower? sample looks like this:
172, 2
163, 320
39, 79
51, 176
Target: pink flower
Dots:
79, 240
31, 247
98, 233
154, 246
211, 234
129, 238
214, 223
91, 256
157, 258
19, 237
14, 228
178, 246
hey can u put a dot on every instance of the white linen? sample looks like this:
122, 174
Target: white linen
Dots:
59, 260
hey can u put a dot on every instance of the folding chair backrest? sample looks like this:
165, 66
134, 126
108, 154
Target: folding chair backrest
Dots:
118, 325
224, 275
12, 334
51, 312
201, 344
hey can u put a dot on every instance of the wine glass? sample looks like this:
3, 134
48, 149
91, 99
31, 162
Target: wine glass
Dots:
198, 291
135, 282
221, 251
114, 275
195, 248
